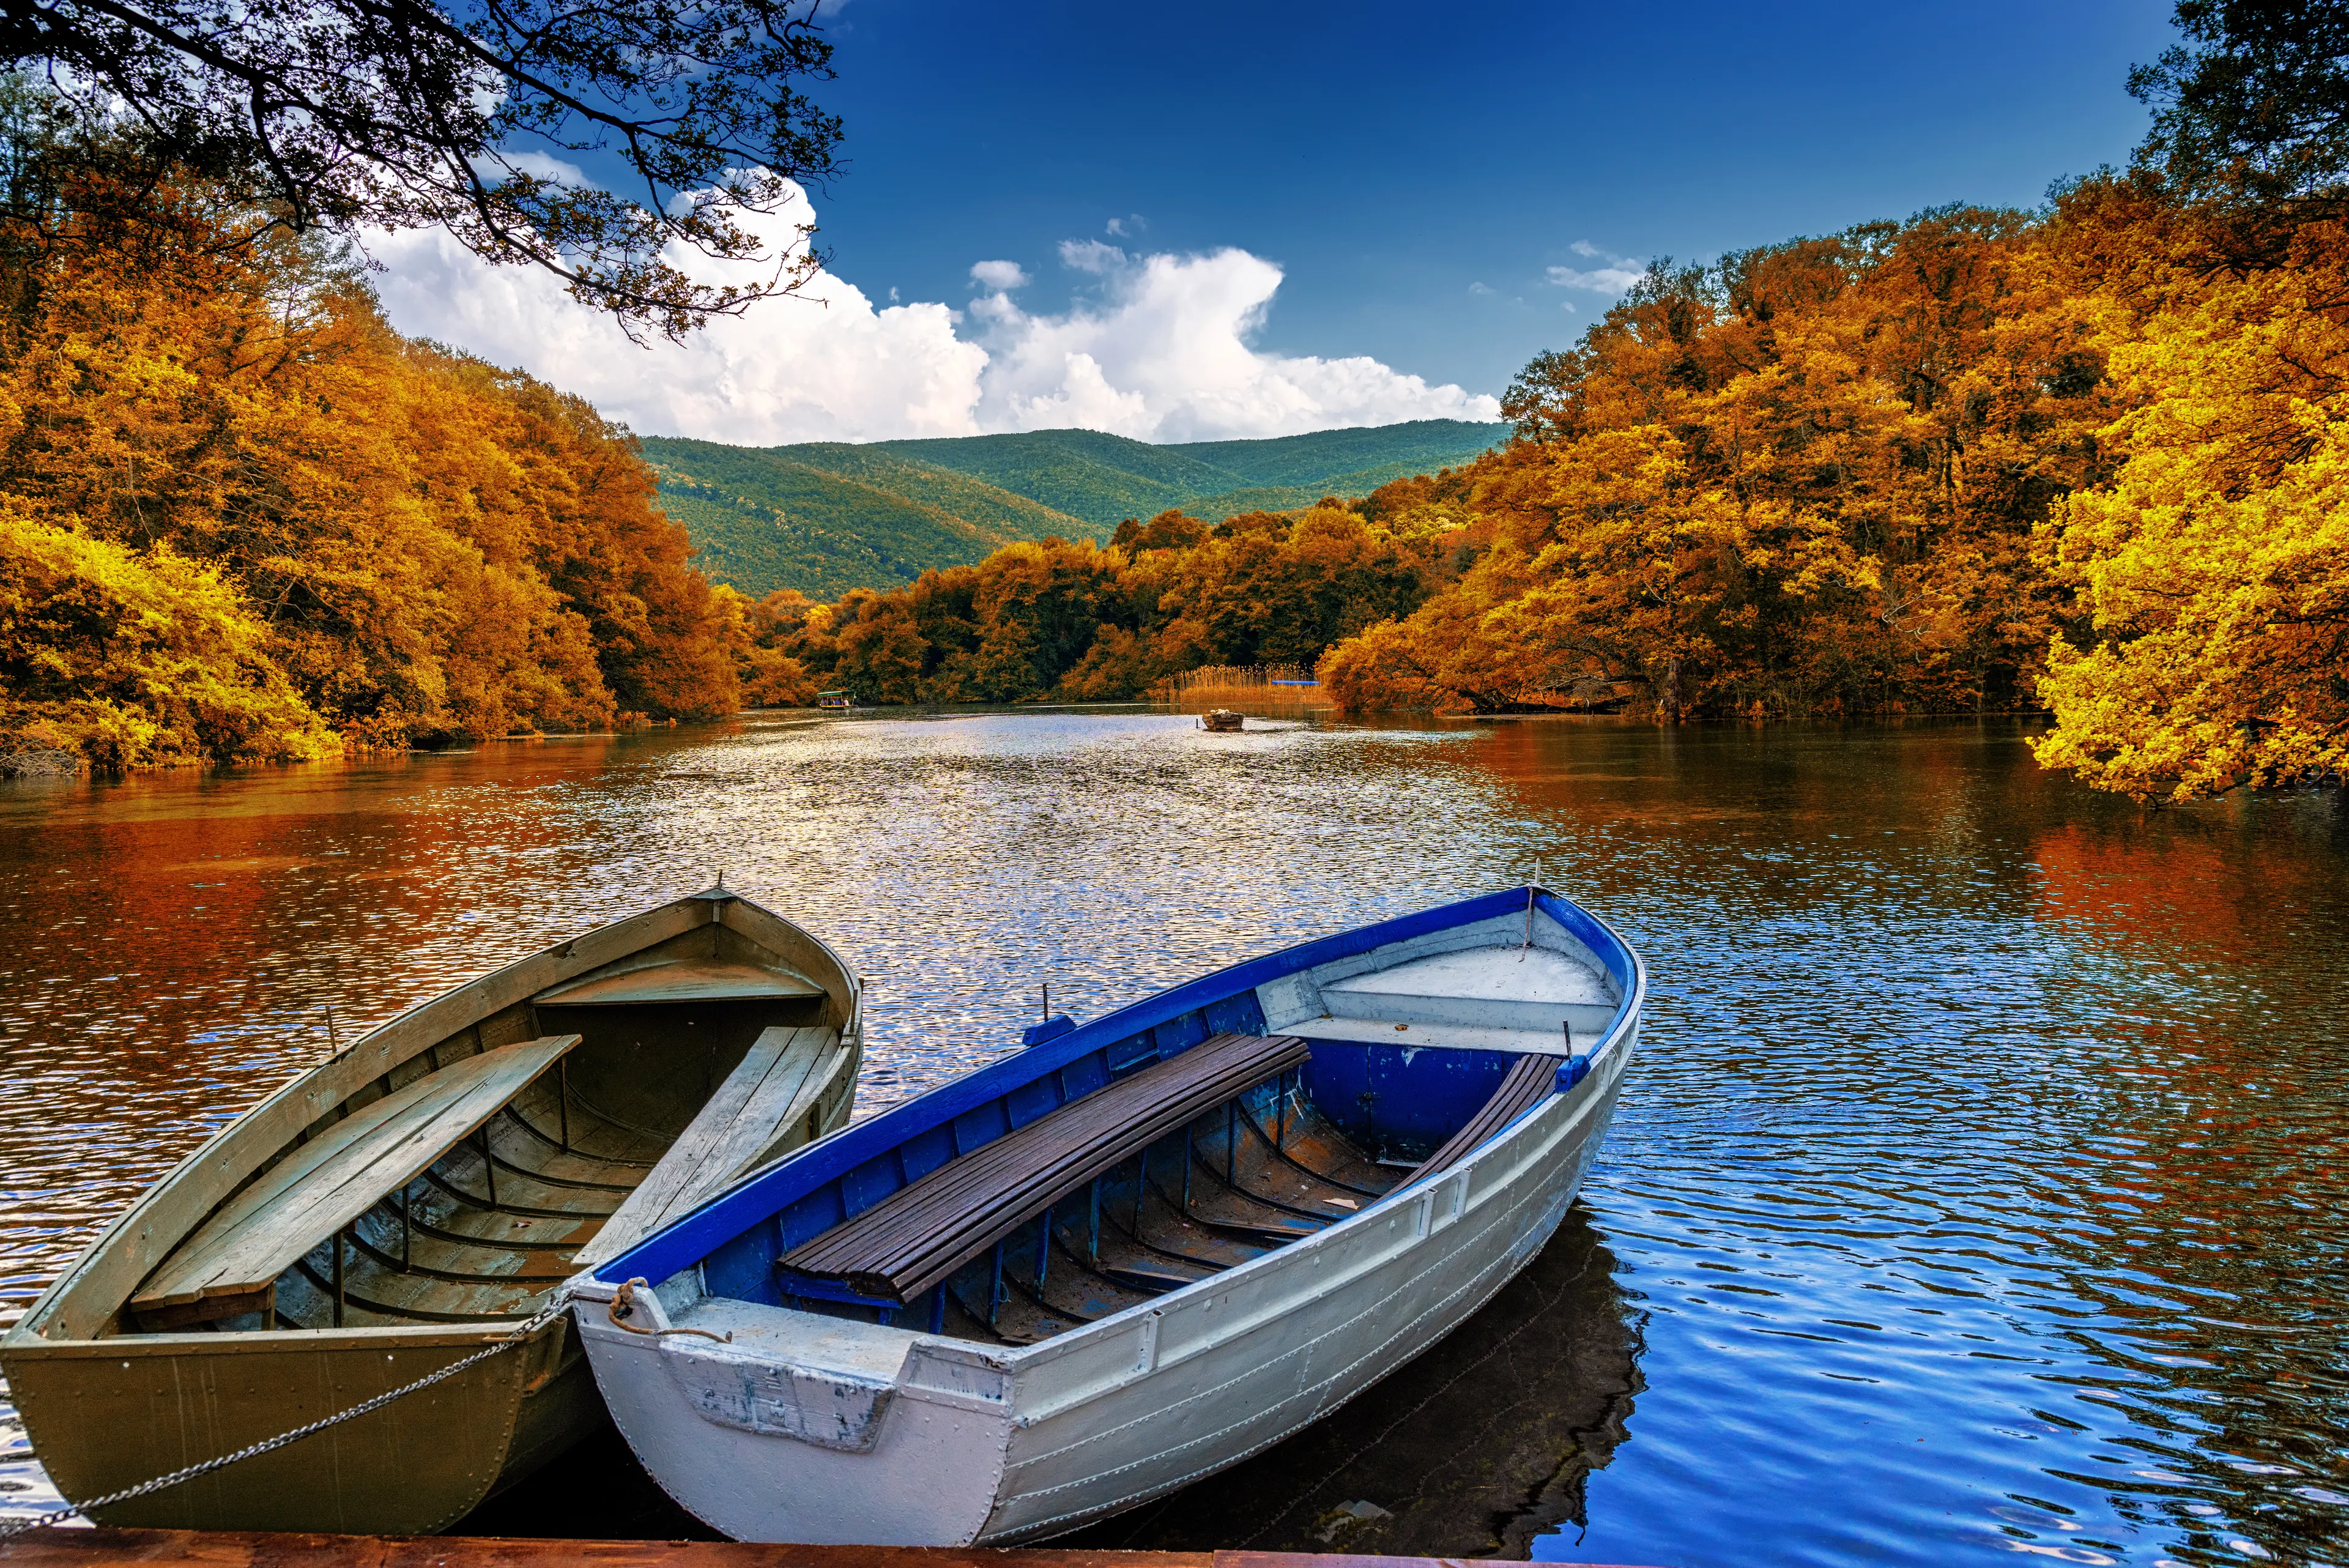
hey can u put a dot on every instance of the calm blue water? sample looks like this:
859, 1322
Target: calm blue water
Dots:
1979, 1190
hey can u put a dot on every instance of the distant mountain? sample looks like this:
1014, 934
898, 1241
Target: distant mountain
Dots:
1104, 479
827, 516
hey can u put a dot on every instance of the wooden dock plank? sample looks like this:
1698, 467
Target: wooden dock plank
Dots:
199, 1549
206, 1549
336, 1177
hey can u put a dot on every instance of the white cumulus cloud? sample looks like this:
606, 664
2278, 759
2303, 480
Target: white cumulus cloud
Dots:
1159, 347
1002, 276
1091, 256
1613, 273
1163, 353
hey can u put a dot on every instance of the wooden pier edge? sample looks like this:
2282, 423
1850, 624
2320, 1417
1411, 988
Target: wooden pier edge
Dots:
76, 1548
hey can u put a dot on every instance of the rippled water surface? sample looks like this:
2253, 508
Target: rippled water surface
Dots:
1979, 1188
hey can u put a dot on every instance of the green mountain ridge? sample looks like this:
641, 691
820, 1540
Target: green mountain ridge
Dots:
825, 517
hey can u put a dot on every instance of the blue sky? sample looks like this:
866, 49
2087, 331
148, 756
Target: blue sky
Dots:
1388, 157
1323, 214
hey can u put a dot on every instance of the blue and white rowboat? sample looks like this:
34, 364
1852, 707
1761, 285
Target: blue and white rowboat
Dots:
1137, 1252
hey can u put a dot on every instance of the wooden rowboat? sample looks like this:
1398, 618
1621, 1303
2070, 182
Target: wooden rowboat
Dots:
401, 1205
1132, 1253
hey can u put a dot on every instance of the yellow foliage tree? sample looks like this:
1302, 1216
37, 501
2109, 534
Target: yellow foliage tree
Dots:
2216, 564
121, 656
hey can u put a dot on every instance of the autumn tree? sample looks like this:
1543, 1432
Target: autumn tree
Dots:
2215, 565
418, 547
1806, 479
1073, 620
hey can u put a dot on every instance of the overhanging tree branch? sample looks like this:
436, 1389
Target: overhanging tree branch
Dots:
393, 114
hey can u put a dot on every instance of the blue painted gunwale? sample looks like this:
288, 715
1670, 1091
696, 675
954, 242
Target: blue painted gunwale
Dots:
731, 1214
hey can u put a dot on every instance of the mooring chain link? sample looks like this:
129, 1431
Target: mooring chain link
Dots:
545, 1315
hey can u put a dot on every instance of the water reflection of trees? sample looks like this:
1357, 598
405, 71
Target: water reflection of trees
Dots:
1474, 1449
2208, 1186
2102, 1043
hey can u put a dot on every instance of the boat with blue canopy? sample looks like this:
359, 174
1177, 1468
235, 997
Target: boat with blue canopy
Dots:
1133, 1252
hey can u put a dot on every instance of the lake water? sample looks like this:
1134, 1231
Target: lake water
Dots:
1979, 1190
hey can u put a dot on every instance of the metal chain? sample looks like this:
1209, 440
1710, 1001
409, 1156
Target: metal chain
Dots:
545, 1315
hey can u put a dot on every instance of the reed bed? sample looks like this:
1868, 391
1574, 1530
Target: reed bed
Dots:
1274, 690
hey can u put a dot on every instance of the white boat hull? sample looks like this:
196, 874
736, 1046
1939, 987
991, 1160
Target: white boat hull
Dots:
817, 1429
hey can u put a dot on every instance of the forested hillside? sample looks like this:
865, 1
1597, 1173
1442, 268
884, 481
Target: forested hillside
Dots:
1105, 479
828, 518
823, 517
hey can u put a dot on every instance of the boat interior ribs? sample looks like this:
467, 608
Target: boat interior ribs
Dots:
412, 1199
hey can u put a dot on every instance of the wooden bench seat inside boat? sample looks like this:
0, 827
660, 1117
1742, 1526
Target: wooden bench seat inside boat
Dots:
230, 1265
681, 979
771, 1101
1523, 1087
914, 1238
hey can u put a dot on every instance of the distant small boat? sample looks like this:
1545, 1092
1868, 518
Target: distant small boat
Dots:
835, 701
404, 1204
1222, 720
1134, 1253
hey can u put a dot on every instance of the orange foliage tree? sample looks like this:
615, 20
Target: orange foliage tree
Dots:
408, 545
1085, 622
1805, 480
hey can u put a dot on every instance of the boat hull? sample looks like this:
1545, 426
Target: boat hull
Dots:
952, 1444
107, 1421
108, 1407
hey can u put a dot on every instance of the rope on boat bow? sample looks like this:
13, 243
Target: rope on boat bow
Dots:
623, 1306
521, 1332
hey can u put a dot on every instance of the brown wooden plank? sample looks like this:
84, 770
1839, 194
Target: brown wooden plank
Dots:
1039, 1148
208, 1549
336, 1177
786, 1069
224, 1549
1176, 1091
921, 1233
681, 979
1524, 1086
775, 1122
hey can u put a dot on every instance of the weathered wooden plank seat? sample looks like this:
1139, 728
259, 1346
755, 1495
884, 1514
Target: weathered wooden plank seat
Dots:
1524, 1087
763, 1107
681, 979
914, 1239
231, 1263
